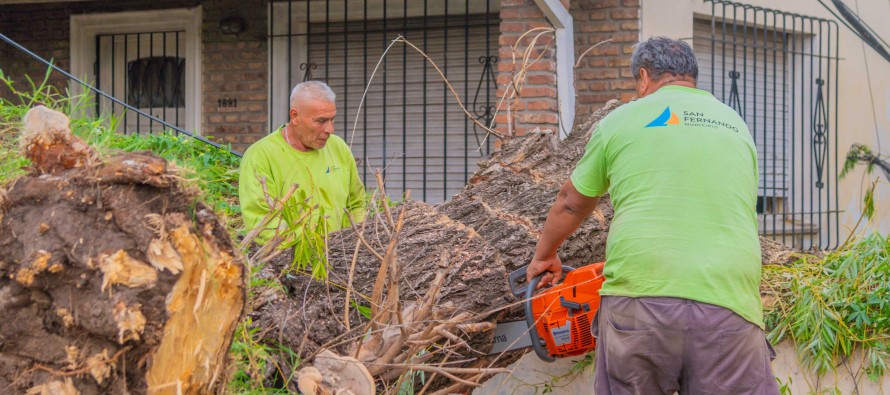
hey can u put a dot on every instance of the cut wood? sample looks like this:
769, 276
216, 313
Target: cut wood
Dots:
113, 279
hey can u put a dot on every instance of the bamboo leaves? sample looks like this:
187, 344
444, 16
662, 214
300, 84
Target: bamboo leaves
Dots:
834, 308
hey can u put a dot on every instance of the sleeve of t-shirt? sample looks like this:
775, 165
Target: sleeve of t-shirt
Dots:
250, 191
590, 176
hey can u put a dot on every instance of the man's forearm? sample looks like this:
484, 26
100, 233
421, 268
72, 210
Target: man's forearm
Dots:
566, 215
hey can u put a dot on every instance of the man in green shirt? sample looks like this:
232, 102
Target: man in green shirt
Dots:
681, 306
306, 153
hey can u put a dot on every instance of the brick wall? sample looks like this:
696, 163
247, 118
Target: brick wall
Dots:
235, 70
43, 29
234, 65
535, 106
604, 73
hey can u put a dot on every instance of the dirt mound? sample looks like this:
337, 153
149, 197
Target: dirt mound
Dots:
113, 279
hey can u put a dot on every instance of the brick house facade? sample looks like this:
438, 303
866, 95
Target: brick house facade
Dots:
237, 64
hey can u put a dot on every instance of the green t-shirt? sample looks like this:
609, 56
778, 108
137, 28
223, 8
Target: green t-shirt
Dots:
328, 177
681, 171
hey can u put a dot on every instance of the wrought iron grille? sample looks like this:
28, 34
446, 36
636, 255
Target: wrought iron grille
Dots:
780, 72
148, 71
410, 126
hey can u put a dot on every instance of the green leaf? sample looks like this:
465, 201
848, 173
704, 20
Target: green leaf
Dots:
364, 310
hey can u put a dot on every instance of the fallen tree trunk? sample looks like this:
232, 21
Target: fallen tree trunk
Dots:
113, 279
453, 256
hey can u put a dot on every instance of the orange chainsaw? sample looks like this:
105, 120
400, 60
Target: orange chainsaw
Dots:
558, 319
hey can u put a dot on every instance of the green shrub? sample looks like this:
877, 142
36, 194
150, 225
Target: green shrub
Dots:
832, 307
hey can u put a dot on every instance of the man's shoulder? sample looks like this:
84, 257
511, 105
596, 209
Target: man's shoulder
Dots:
621, 116
262, 145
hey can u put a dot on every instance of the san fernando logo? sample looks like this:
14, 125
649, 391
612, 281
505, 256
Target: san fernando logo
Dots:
666, 118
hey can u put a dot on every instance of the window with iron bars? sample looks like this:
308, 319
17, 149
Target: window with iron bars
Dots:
779, 71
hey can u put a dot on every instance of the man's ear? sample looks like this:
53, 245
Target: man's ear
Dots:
645, 80
293, 113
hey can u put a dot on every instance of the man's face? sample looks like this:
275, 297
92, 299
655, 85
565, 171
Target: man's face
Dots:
312, 122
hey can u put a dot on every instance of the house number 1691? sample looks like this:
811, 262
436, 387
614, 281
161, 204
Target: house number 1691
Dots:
227, 102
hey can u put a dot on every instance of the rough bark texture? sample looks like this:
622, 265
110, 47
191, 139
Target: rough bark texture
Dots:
478, 237
112, 278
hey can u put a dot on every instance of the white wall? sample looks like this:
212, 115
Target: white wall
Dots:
856, 111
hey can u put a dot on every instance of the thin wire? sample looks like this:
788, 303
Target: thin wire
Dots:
110, 97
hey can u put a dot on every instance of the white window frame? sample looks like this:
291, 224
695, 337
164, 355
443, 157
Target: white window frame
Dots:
85, 28
561, 20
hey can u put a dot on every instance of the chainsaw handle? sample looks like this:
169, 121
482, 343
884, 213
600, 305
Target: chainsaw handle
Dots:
518, 275
537, 344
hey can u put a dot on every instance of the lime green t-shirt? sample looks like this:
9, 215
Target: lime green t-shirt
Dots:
328, 177
681, 171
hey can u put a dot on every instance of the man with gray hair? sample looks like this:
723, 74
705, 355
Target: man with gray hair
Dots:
680, 309
303, 152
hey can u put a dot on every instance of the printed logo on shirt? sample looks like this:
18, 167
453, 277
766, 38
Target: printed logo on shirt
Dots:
332, 168
691, 118
667, 117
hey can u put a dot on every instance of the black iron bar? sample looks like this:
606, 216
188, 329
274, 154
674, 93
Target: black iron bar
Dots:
327, 39
271, 59
182, 76
126, 80
809, 83
837, 131
490, 82
744, 75
166, 94
405, 99
785, 112
425, 14
345, 70
723, 61
445, 110
113, 75
466, 86
98, 70
775, 106
365, 112
713, 44
792, 109
385, 88
290, 48
140, 93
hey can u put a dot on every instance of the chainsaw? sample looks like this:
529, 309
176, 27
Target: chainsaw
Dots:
558, 319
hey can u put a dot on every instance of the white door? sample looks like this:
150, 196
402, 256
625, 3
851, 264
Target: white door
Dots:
148, 60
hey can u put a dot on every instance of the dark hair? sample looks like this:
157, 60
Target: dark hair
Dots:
662, 55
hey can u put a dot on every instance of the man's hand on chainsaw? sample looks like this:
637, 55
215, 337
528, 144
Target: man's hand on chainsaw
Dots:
552, 269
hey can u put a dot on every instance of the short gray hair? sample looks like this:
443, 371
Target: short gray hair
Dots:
312, 90
662, 55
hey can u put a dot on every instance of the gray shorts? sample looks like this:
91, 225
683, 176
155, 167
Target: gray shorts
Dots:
668, 345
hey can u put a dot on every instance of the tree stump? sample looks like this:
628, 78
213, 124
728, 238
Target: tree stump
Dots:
113, 278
